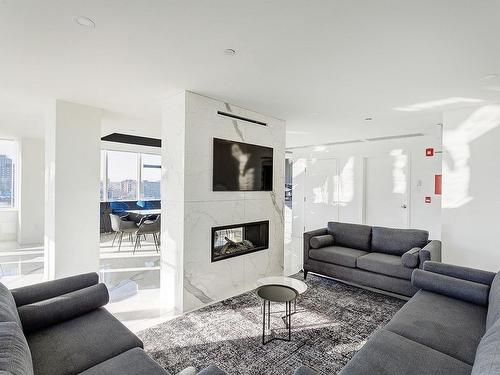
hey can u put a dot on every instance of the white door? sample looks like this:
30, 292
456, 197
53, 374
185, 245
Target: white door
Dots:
321, 193
386, 190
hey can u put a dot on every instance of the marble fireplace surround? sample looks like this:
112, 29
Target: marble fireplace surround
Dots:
189, 279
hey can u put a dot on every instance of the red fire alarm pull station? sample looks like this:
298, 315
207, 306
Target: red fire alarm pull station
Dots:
437, 184
429, 152
427, 199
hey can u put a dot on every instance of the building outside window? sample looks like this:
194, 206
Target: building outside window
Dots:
129, 176
8, 172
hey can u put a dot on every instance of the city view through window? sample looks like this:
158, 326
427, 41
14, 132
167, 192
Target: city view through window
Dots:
130, 176
8, 168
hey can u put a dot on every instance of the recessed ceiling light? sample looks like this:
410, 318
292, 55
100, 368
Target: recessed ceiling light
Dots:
230, 51
84, 21
489, 77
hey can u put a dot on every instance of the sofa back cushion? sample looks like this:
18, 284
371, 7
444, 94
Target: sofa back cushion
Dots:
15, 355
493, 302
8, 308
487, 360
355, 236
397, 241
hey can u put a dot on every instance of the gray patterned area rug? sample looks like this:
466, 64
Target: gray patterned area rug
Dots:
332, 322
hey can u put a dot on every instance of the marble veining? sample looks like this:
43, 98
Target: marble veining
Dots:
235, 123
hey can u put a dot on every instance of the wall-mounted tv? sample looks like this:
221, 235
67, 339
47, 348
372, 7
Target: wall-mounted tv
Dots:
241, 166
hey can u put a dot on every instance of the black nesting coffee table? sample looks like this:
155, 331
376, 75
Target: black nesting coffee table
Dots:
280, 294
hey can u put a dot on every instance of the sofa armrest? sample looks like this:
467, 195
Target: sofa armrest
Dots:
50, 289
459, 272
411, 258
307, 239
42, 314
431, 251
449, 286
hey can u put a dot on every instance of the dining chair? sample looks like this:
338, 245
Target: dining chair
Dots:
148, 226
122, 226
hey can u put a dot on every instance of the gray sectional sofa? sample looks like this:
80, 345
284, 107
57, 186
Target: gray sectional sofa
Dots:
450, 326
60, 328
376, 257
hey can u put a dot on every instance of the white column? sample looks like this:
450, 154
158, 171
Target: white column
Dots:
172, 202
72, 162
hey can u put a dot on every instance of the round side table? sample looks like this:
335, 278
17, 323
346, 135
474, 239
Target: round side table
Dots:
281, 294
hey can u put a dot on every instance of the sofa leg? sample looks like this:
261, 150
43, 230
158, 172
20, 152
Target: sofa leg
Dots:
305, 274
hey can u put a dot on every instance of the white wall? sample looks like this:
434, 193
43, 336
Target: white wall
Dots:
72, 167
349, 207
31, 191
192, 208
471, 180
8, 225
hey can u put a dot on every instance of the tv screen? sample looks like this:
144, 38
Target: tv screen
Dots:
242, 167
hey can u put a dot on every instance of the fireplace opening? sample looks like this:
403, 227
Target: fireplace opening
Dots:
232, 240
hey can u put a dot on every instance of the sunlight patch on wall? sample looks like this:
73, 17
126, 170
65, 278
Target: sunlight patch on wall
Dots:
398, 171
346, 183
456, 147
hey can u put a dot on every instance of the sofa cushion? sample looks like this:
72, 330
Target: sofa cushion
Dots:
343, 256
355, 236
411, 258
15, 356
80, 343
487, 361
8, 308
493, 302
391, 354
449, 325
132, 362
317, 242
385, 264
38, 315
465, 290
397, 241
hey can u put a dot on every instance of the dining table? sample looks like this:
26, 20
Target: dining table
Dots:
156, 211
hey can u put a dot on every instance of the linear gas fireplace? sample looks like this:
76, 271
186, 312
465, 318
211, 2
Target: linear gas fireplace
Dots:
232, 240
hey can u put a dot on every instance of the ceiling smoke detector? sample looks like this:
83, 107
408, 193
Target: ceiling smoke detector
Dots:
84, 22
230, 52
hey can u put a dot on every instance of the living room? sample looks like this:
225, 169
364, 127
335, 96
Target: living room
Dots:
236, 187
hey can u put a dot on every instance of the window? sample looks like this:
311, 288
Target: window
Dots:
129, 176
8, 173
122, 176
150, 176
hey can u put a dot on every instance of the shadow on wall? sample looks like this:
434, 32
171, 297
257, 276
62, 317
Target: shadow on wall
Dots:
457, 152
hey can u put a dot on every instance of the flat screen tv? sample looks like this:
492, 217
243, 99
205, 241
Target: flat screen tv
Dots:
241, 166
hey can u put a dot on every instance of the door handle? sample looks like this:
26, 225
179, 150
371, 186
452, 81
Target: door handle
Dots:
403, 206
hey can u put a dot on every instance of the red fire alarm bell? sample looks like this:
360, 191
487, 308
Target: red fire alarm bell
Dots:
427, 199
429, 152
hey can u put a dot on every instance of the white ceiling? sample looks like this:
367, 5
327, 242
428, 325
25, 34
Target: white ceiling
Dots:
322, 65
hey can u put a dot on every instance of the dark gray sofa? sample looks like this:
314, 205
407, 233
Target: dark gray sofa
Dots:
377, 257
60, 327
450, 326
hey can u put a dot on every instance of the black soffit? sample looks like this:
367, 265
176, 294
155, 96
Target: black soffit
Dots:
132, 139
